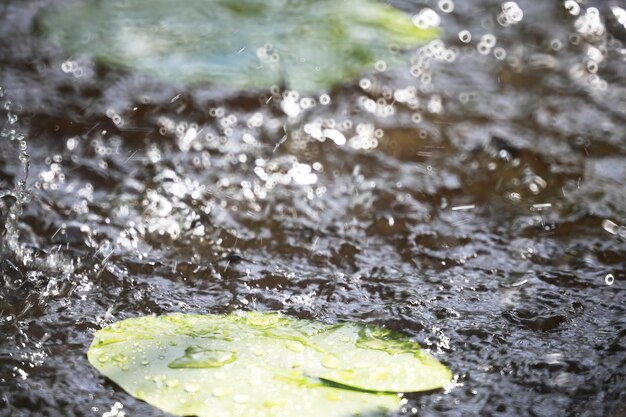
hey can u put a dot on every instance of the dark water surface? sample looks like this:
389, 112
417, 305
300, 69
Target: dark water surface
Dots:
479, 206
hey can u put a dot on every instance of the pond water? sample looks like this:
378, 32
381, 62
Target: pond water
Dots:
477, 205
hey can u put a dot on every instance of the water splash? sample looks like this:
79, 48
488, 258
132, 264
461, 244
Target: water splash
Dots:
13, 199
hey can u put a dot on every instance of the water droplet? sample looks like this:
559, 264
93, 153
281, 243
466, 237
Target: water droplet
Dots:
294, 346
381, 375
121, 360
240, 399
191, 388
220, 392
24, 157
25, 160
331, 362
274, 403
333, 396
172, 383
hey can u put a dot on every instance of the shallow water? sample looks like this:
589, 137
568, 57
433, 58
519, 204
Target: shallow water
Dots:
478, 206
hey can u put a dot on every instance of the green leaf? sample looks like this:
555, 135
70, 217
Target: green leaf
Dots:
305, 44
262, 364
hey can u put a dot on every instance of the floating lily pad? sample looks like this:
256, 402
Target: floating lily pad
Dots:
262, 364
305, 44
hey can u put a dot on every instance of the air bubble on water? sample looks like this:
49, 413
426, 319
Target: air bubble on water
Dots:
483, 48
556, 45
301, 174
499, 53
449, 55
68, 66
405, 95
488, 39
465, 36
307, 103
595, 54
435, 105
572, 7
609, 279
574, 39
446, 6
364, 138
511, 14
324, 99
426, 18
590, 25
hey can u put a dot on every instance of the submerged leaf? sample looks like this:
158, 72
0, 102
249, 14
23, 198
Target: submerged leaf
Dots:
305, 44
262, 364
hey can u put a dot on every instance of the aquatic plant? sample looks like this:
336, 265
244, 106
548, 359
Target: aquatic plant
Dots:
263, 364
304, 44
